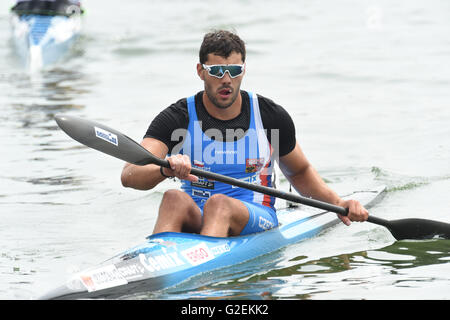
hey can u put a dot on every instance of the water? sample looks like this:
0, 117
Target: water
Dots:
366, 83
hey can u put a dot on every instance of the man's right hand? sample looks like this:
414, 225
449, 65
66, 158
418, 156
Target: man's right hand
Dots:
180, 167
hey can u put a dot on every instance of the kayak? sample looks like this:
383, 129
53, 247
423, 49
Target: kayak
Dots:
41, 40
168, 259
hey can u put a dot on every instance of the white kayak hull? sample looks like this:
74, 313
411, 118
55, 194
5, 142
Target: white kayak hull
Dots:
44, 40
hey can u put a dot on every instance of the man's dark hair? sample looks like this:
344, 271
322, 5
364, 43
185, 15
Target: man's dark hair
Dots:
221, 43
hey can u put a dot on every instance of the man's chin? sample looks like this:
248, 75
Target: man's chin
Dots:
223, 105
226, 103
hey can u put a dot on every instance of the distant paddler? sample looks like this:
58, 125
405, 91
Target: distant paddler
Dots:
44, 31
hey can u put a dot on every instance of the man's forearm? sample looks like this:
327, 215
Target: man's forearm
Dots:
309, 184
141, 177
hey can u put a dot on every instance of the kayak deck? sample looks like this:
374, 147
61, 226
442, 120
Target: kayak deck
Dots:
169, 258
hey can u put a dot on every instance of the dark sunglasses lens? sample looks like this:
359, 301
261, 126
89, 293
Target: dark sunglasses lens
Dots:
234, 70
217, 71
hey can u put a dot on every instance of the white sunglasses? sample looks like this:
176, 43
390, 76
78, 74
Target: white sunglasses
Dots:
219, 70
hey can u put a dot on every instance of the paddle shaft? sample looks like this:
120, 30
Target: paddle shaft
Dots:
270, 191
116, 144
400, 229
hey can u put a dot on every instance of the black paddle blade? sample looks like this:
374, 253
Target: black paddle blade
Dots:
105, 139
420, 229
415, 229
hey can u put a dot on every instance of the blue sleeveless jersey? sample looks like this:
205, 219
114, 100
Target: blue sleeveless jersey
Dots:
249, 159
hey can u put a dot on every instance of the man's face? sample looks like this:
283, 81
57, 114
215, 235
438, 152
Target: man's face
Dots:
224, 91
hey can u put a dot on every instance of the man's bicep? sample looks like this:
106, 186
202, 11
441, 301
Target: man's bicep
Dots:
156, 147
293, 163
170, 125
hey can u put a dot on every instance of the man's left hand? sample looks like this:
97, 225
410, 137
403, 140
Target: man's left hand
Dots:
356, 212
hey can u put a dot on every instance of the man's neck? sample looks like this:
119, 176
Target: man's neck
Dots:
223, 114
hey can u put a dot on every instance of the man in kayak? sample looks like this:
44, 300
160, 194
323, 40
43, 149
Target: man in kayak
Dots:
232, 132
47, 7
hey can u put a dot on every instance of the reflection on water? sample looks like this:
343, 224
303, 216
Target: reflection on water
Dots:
397, 265
389, 266
399, 255
409, 254
31, 135
34, 99
39, 115
57, 84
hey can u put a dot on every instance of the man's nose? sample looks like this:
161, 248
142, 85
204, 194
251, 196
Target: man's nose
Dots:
226, 77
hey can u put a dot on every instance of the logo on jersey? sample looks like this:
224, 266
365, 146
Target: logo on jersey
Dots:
202, 183
253, 165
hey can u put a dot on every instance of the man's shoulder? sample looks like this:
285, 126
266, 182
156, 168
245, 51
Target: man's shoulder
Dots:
269, 104
176, 113
182, 105
269, 108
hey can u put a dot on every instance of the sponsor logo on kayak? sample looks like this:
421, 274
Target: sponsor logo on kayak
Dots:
198, 254
106, 135
102, 278
218, 250
161, 262
131, 271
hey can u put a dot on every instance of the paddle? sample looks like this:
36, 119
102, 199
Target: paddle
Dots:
116, 144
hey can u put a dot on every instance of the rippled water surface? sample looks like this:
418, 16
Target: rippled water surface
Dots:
366, 82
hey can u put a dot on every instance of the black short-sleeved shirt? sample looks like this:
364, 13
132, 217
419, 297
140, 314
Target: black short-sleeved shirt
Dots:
276, 121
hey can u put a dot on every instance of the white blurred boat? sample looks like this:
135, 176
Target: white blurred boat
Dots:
41, 40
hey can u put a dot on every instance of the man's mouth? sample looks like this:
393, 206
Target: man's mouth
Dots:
225, 92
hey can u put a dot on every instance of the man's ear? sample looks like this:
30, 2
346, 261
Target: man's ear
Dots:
200, 71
